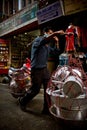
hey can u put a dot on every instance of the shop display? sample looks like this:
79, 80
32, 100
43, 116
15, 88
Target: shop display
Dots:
4, 56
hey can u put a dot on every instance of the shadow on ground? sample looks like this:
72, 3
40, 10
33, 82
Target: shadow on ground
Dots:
13, 118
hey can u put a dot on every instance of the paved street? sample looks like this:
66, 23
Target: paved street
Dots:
13, 118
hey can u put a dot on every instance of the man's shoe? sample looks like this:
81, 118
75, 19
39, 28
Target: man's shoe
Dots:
45, 112
23, 107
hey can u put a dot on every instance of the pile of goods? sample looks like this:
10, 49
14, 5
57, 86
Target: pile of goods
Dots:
20, 83
67, 89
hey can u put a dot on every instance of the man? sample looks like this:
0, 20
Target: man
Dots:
39, 72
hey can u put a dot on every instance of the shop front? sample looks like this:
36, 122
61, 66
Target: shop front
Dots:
4, 56
20, 30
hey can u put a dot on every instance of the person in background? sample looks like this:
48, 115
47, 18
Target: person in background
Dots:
40, 74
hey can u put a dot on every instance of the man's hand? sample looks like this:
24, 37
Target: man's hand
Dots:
56, 41
56, 38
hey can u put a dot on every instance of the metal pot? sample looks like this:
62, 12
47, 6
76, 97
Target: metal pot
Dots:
72, 114
60, 100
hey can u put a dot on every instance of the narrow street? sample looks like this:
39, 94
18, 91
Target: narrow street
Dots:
13, 118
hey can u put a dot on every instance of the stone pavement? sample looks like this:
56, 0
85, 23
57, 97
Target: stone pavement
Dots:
13, 118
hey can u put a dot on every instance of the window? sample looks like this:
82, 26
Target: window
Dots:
23, 3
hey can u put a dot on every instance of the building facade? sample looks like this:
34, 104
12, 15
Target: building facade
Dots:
22, 20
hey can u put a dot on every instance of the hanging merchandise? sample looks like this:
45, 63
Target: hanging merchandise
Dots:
72, 40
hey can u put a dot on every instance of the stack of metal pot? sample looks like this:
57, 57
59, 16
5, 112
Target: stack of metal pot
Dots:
68, 93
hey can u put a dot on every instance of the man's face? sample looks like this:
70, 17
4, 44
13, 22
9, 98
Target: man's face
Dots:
50, 32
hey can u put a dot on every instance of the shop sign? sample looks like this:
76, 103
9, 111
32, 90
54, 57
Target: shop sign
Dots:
74, 6
27, 15
50, 12
19, 20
